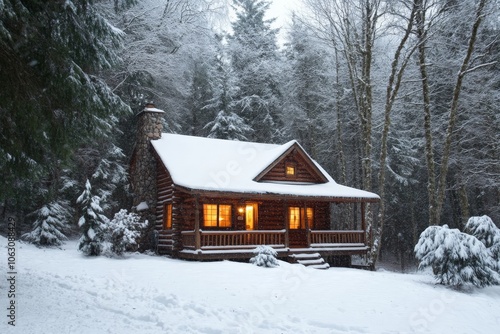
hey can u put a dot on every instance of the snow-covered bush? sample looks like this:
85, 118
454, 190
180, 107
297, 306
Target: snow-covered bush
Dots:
50, 223
121, 233
488, 233
91, 223
483, 229
265, 257
456, 258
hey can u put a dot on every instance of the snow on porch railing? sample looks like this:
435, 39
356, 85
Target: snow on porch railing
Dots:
234, 239
337, 237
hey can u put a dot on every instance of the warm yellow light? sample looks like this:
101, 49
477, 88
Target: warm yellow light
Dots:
290, 170
241, 210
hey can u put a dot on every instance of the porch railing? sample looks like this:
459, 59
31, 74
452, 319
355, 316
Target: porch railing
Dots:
234, 239
337, 237
275, 238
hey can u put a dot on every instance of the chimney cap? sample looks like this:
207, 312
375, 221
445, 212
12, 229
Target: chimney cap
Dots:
150, 107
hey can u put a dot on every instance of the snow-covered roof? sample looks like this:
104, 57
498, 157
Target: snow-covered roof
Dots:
208, 164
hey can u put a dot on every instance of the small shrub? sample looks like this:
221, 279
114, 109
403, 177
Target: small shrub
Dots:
121, 233
50, 224
265, 257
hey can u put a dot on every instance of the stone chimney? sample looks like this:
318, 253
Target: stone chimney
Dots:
143, 163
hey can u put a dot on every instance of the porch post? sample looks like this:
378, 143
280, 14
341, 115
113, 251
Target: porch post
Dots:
308, 230
287, 223
363, 220
197, 237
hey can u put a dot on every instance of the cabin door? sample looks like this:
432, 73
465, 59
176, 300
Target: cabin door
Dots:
297, 234
251, 212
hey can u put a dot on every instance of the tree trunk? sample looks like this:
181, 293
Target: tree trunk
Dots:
429, 153
391, 94
454, 110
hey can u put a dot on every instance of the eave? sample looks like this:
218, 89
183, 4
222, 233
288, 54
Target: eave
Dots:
272, 196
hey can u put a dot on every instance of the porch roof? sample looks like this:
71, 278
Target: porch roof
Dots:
215, 165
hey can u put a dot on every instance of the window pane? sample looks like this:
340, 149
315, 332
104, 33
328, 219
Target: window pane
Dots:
224, 215
294, 217
210, 215
310, 217
290, 170
167, 217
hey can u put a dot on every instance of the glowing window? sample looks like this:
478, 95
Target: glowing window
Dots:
167, 216
217, 215
310, 217
297, 217
290, 170
294, 217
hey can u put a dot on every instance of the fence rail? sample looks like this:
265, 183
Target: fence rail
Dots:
275, 238
337, 237
234, 239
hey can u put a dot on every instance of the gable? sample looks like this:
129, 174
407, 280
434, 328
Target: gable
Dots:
294, 165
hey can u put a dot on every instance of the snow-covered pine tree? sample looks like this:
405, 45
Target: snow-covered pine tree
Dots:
456, 258
109, 173
50, 224
256, 65
228, 126
52, 99
484, 230
265, 256
91, 222
488, 233
123, 231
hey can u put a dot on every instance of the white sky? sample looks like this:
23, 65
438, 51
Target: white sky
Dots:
282, 11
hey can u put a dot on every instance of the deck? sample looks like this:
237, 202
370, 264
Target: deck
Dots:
211, 245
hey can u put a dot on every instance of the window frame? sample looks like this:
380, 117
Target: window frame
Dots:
218, 219
167, 216
302, 213
293, 166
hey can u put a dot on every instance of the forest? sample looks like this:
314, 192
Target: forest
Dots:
397, 97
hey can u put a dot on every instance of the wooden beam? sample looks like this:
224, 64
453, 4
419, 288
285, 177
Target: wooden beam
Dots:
287, 224
197, 237
308, 230
363, 217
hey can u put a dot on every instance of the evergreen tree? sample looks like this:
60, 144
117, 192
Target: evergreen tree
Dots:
456, 258
51, 98
201, 92
488, 233
227, 123
91, 223
50, 224
484, 230
254, 57
108, 172
307, 90
265, 256
228, 126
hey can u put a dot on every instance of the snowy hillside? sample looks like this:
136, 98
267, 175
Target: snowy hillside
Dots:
61, 291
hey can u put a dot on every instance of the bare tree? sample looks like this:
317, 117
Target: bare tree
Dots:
402, 56
436, 187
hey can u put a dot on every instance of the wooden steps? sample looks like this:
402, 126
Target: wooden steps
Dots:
313, 260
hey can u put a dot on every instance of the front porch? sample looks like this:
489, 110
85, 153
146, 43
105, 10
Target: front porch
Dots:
211, 245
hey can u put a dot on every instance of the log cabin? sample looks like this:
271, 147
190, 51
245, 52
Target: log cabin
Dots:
216, 199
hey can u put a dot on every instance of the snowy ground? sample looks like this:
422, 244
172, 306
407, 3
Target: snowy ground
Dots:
61, 291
